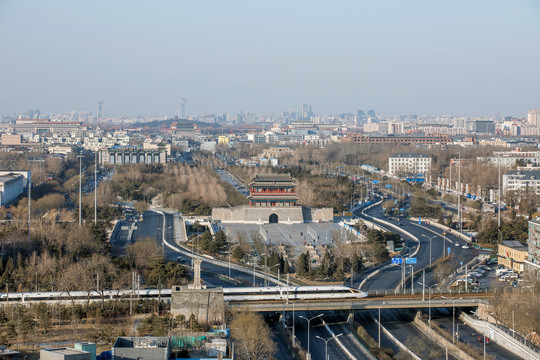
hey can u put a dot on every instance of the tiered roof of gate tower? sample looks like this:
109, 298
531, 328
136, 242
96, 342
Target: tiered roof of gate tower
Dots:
272, 190
272, 199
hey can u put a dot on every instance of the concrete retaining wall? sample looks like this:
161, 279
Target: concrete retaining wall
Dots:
260, 215
206, 304
344, 349
452, 349
397, 342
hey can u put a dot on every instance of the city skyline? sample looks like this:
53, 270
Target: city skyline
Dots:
464, 59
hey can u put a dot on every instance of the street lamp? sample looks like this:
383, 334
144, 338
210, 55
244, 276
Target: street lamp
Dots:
278, 270
429, 304
163, 241
430, 238
412, 279
457, 331
453, 315
293, 322
80, 156
326, 343
444, 247
308, 323
265, 268
531, 333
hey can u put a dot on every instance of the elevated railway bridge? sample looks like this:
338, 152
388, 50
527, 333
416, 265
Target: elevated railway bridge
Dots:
269, 299
369, 302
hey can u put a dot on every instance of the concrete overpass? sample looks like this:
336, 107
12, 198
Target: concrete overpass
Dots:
368, 303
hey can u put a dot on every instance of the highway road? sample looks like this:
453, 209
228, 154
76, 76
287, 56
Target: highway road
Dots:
318, 346
399, 324
444, 317
151, 227
391, 278
365, 318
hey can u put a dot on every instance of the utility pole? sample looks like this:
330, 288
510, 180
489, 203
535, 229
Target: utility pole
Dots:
459, 194
423, 284
499, 178
451, 160
80, 189
29, 206
412, 280
379, 327
95, 190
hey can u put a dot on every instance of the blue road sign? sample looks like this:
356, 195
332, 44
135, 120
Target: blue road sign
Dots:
410, 260
461, 263
419, 221
397, 261
449, 250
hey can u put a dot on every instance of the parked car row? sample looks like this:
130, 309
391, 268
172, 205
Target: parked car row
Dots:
506, 274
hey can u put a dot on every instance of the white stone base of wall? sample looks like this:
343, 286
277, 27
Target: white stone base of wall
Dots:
261, 215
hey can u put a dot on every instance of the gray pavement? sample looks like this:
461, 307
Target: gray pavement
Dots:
469, 336
391, 278
294, 236
399, 324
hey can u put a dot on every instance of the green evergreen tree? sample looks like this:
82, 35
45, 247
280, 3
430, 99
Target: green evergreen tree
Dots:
302, 264
356, 263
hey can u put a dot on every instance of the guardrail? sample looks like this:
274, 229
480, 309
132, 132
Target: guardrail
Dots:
500, 337
445, 228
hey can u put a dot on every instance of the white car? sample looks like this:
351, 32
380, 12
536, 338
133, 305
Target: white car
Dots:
457, 244
501, 272
465, 246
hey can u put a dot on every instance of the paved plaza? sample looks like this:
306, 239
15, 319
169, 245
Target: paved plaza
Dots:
293, 236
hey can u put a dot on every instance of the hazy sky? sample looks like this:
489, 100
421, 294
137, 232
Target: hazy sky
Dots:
458, 57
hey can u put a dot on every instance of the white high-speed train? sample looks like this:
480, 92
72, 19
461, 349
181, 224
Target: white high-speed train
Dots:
292, 293
229, 294
78, 296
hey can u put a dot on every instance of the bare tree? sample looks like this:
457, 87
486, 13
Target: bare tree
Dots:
252, 335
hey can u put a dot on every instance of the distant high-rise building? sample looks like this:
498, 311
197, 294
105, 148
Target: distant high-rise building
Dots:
306, 112
29, 114
99, 111
484, 127
361, 117
534, 118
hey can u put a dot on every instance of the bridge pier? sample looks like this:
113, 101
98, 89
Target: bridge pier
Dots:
350, 318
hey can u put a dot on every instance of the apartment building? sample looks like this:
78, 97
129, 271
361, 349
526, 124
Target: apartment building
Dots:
522, 181
409, 163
